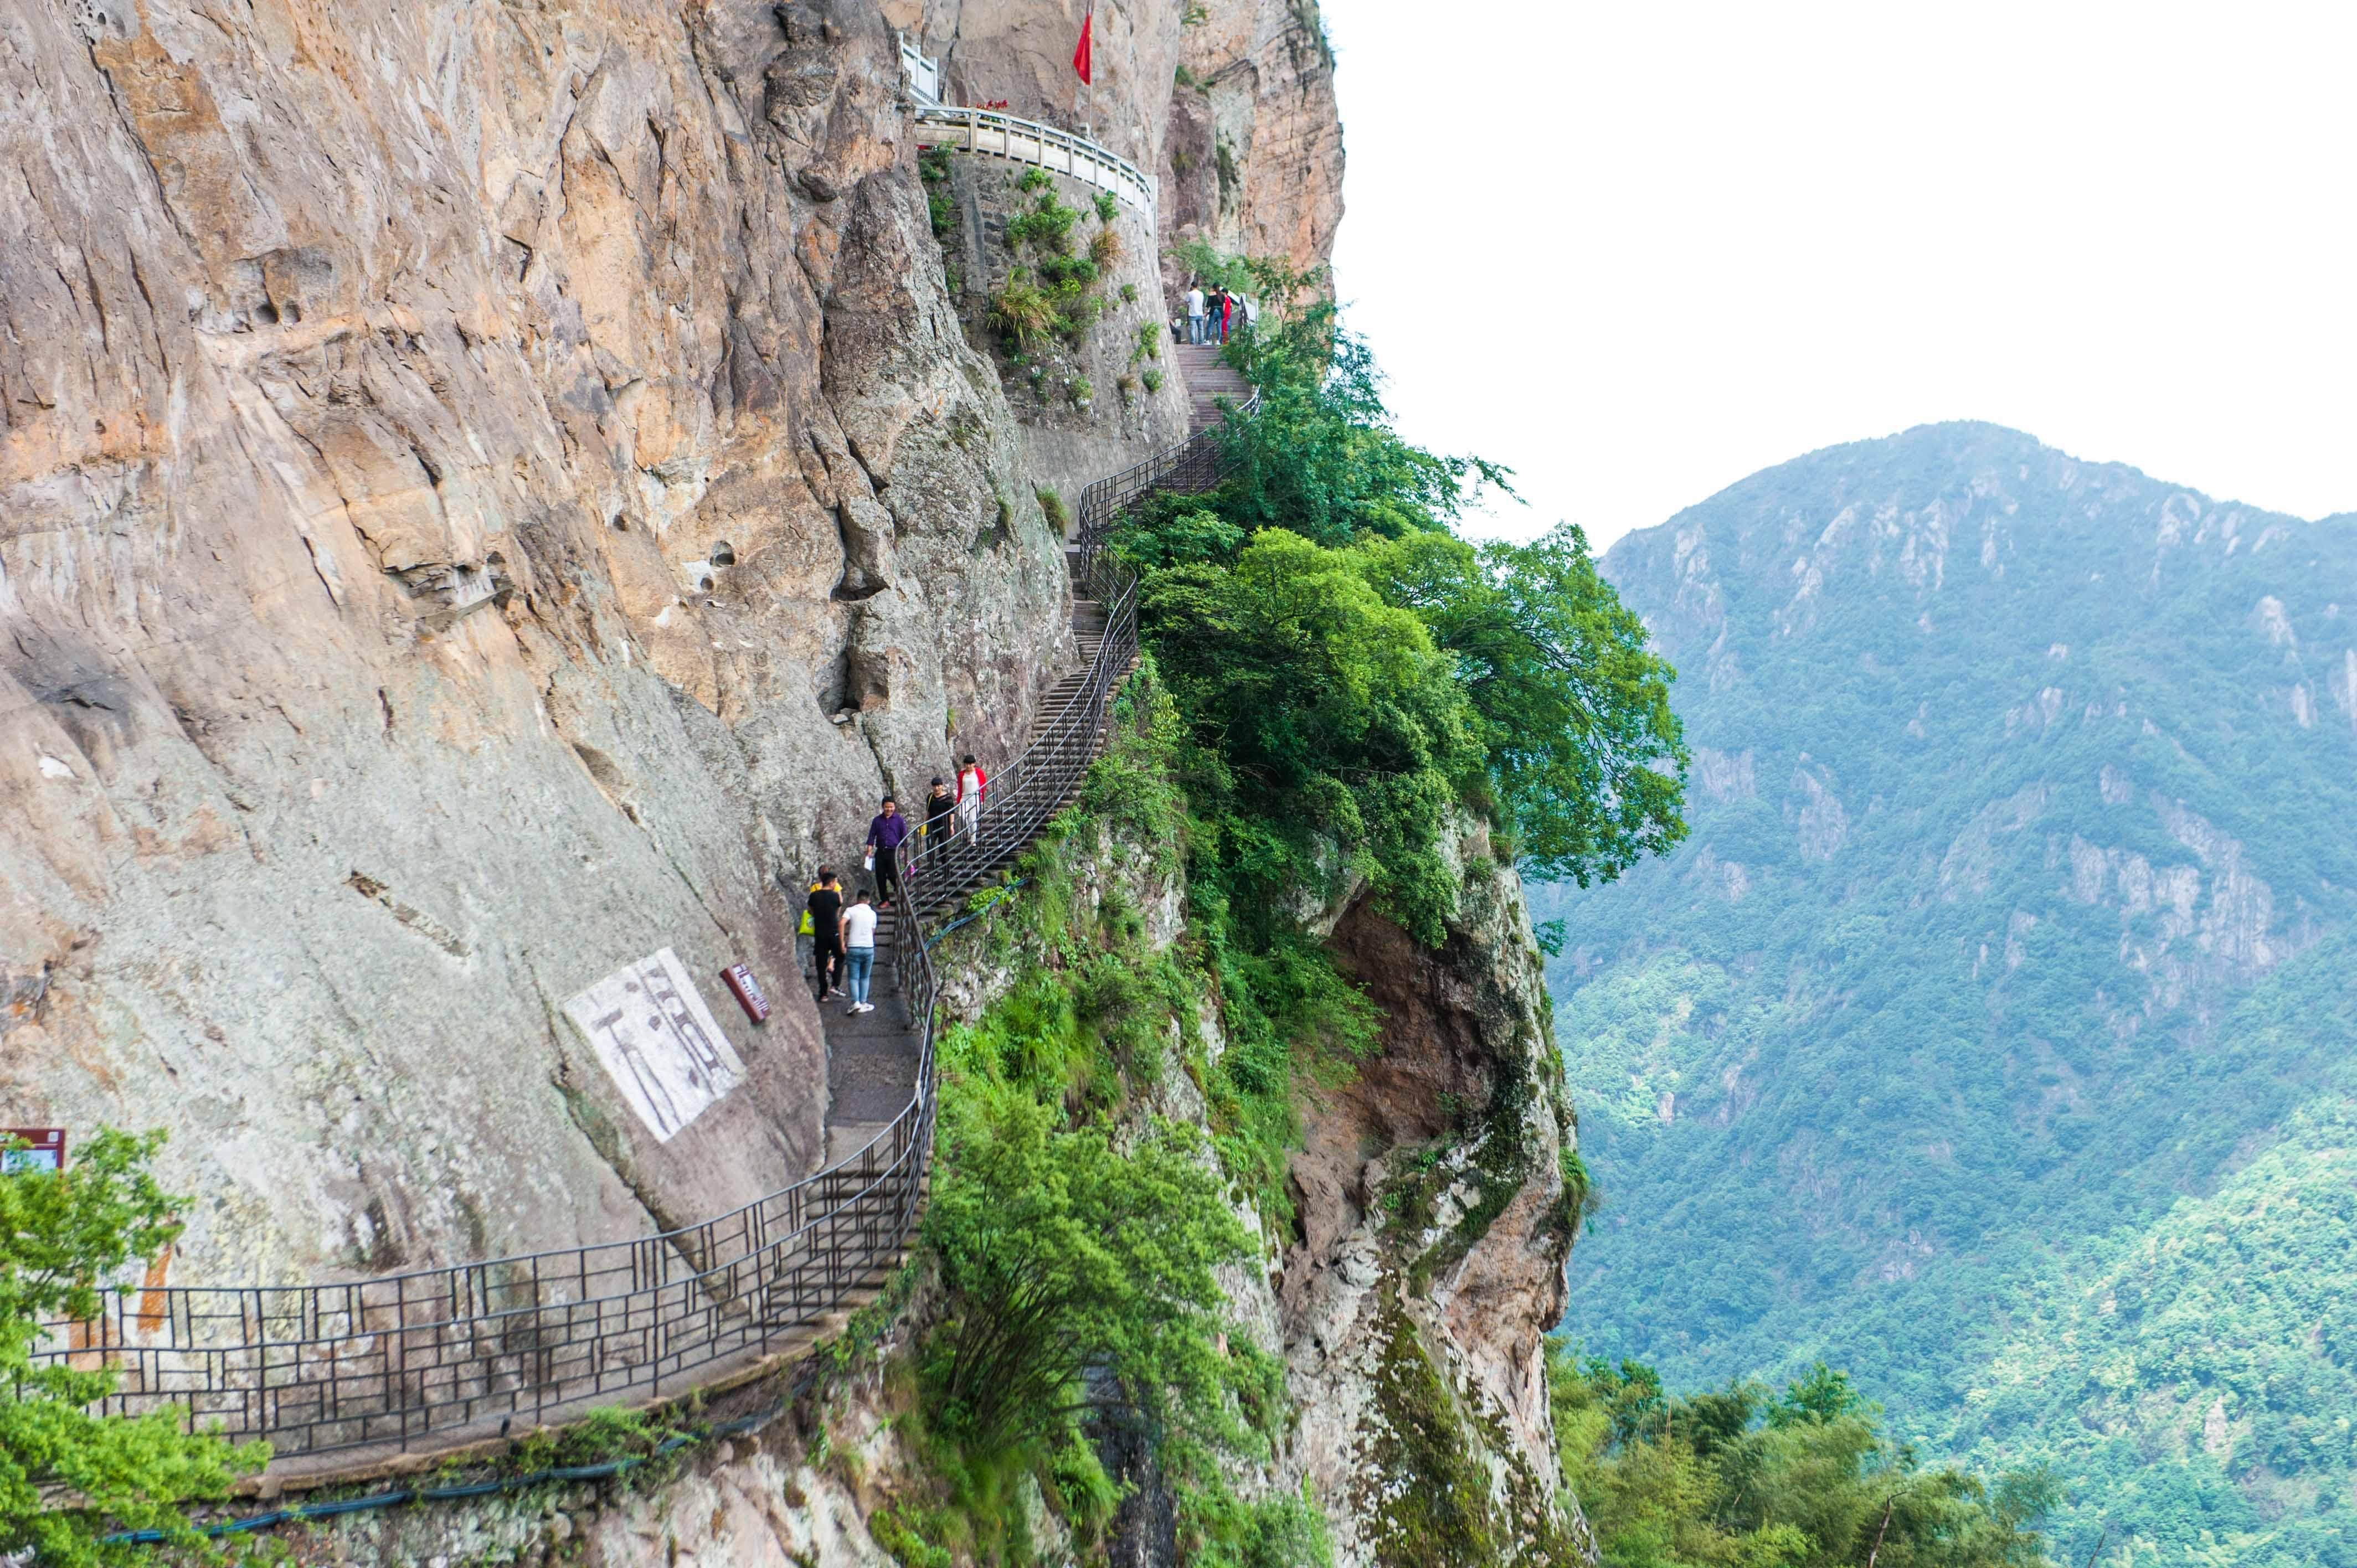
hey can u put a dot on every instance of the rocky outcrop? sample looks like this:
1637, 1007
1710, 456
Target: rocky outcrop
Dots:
1252, 162
1019, 53
487, 495
1433, 1222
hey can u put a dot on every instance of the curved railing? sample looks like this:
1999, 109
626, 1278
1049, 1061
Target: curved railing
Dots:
445, 1356
1029, 142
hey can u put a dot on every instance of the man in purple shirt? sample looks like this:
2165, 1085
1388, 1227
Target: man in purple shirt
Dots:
885, 836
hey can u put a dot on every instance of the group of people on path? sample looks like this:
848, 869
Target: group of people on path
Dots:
842, 934
1211, 318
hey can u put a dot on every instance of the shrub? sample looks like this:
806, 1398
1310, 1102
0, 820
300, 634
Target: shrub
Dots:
1059, 516
1080, 390
1153, 380
1079, 270
1034, 179
1108, 207
1076, 311
1022, 312
1129, 294
1104, 247
940, 207
1047, 224
1149, 342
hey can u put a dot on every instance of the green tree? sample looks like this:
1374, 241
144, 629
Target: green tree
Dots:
68, 1477
1586, 757
1078, 1277
1318, 710
1318, 455
1745, 1479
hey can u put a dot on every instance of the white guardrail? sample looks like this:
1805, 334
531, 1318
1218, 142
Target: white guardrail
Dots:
1028, 142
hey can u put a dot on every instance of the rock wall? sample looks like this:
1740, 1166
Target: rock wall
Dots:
1019, 53
485, 493
1252, 159
1090, 403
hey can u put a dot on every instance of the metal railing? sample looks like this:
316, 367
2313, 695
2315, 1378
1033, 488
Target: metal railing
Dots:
1028, 142
439, 1357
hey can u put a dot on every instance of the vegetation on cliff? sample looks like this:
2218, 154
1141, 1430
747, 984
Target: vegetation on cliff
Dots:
1348, 668
1321, 690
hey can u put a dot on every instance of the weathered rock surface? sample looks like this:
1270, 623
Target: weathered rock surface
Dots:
1019, 53
487, 494
1252, 161
1091, 404
455, 466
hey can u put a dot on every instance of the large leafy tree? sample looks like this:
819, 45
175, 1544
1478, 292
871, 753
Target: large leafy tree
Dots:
1319, 709
1583, 753
1318, 455
1070, 1263
68, 1477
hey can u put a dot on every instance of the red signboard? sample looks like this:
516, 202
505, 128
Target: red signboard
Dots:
747, 989
45, 1150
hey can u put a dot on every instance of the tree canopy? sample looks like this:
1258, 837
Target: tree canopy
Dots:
68, 1477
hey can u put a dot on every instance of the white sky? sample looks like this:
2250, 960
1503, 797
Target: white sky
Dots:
1637, 250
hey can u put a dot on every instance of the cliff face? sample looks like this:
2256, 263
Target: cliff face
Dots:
485, 493
1252, 162
1428, 1262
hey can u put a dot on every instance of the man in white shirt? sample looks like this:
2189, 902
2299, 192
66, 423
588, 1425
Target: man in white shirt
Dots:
1194, 313
859, 951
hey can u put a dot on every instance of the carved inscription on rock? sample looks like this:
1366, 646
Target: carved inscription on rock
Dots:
650, 1027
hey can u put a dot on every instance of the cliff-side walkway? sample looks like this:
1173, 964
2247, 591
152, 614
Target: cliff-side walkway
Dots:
361, 1377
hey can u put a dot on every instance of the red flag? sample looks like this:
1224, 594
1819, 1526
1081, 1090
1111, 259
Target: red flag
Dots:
1081, 55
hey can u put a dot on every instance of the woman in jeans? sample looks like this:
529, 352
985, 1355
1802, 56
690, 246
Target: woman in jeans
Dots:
859, 951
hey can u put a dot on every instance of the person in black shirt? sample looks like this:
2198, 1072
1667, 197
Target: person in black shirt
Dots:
941, 815
827, 932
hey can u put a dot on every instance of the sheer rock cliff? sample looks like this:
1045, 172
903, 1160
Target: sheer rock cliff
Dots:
487, 491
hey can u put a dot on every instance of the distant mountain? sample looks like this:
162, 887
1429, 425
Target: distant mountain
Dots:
1995, 1035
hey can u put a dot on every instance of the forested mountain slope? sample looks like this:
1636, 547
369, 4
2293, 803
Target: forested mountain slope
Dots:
1992, 1034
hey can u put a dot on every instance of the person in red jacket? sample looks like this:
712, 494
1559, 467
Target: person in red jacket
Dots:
972, 783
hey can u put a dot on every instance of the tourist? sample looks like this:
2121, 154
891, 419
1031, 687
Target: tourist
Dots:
885, 835
1227, 314
941, 815
1216, 327
971, 782
859, 951
1194, 313
824, 922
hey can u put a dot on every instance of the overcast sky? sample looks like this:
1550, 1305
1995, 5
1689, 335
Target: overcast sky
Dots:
1638, 251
